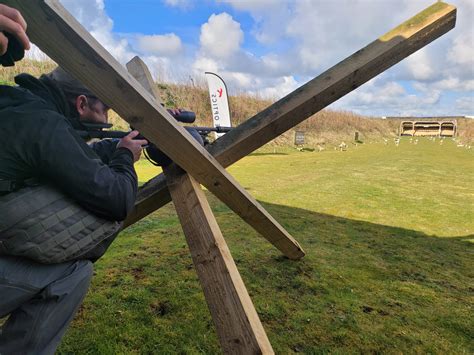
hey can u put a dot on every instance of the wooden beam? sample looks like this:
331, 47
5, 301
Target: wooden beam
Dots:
237, 323
138, 69
151, 196
62, 38
312, 97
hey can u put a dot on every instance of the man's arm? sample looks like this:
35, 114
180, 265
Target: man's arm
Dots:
64, 159
105, 148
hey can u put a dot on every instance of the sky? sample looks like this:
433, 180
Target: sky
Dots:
271, 47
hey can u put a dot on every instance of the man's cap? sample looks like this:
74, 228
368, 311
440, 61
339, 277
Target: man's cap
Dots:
68, 83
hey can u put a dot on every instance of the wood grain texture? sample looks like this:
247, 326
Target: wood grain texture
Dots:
62, 38
323, 90
237, 323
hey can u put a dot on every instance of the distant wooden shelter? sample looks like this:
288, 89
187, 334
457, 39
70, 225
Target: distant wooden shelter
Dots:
428, 126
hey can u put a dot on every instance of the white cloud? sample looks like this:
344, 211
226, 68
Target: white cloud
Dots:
326, 32
454, 84
269, 17
390, 99
420, 66
91, 14
203, 64
264, 87
254, 5
462, 49
241, 79
183, 4
221, 36
36, 54
166, 45
281, 87
465, 104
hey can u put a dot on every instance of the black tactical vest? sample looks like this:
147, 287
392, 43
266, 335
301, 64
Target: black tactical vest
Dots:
42, 224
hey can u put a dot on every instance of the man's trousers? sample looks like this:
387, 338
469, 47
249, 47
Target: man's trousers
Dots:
41, 301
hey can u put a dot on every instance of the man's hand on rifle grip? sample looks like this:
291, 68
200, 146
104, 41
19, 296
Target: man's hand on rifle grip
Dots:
134, 145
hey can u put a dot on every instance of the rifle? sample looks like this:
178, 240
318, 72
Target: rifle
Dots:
152, 153
204, 132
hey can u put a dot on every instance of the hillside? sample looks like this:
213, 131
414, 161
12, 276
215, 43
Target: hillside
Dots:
326, 128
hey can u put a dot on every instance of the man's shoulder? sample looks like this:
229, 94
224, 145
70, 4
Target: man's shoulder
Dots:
11, 95
20, 99
32, 125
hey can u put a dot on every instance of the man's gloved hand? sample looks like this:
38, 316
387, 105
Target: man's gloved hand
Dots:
134, 145
13, 38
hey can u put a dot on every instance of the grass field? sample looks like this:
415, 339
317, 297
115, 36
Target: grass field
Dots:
388, 233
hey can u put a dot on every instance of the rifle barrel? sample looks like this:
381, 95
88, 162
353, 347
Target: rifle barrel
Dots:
100, 134
218, 129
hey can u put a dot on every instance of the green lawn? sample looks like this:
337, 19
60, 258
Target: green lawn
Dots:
389, 268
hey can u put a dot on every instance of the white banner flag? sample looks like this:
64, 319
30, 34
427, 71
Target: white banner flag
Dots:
219, 102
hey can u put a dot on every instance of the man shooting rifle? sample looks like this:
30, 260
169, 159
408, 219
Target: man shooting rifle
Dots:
61, 200
153, 154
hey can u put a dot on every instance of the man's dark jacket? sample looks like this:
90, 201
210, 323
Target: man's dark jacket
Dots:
38, 139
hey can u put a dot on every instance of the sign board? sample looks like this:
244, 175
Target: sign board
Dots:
299, 138
219, 101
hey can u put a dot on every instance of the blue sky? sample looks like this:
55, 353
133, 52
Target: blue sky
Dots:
271, 47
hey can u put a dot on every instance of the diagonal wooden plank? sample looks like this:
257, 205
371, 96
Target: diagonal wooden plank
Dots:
237, 323
323, 90
61, 37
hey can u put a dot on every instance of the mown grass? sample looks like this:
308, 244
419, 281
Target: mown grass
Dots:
389, 264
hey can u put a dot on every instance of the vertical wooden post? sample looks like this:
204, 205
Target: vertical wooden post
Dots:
237, 323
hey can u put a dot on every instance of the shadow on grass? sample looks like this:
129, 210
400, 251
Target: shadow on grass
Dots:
269, 153
362, 287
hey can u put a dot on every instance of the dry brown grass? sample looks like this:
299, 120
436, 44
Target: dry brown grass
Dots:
466, 130
33, 67
328, 127
196, 98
